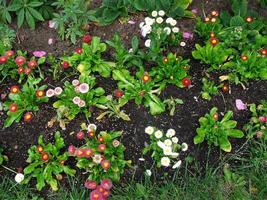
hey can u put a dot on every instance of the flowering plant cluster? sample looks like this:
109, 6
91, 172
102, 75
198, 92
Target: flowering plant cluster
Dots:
88, 58
172, 70
47, 164
101, 191
235, 44
164, 147
160, 33
102, 155
217, 131
17, 67
23, 101
77, 96
257, 125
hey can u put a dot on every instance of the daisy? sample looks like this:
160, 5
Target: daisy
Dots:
148, 43
161, 13
75, 82
159, 20
167, 151
58, 91
168, 142
50, 93
184, 146
167, 30
154, 13
182, 44
91, 127
149, 130
84, 88
158, 134
173, 22
168, 20
149, 21
175, 140
165, 161
161, 144
76, 100
19, 177
170, 133
97, 158
175, 29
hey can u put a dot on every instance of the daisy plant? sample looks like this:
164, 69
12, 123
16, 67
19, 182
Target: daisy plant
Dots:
216, 131
164, 148
88, 59
257, 126
171, 70
141, 88
77, 96
160, 32
23, 101
47, 163
102, 154
16, 66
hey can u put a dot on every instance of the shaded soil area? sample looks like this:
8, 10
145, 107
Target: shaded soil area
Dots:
19, 137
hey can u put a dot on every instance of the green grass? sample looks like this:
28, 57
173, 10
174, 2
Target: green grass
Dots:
245, 181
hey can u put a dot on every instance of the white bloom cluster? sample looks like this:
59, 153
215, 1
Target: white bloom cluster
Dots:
82, 88
51, 92
169, 144
168, 26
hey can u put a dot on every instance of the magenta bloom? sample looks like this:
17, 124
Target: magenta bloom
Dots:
90, 184
106, 184
71, 149
96, 195
240, 105
187, 35
39, 54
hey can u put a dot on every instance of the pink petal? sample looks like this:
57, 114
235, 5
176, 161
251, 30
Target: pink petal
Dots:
131, 22
50, 41
195, 11
51, 24
39, 54
240, 105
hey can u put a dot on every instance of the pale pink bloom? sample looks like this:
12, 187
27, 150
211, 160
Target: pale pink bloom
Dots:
58, 90
131, 22
39, 54
81, 103
97, 158
240, 105
50, 93
52, 24
76, 100
75, 82
195, 11
50, 41
84, 88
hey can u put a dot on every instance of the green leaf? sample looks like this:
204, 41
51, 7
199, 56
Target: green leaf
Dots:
229, 124
41, 60
198, 139
35, 4
13, 117
135, 43
40, 181
237, 21
20, 17
36, 14
227, 116
235, 133
30, 20
225, 144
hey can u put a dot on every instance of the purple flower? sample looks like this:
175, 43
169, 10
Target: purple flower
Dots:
187, 35
39, 54
240, 105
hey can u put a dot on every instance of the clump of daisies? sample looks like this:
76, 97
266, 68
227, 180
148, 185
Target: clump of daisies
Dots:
160, 31
77, 96
164, 147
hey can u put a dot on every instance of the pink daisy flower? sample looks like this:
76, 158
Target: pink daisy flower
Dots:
76, 100
50, 93
84, 88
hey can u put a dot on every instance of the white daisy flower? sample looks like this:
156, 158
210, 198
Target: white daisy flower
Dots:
165, 161
173, 22
167, 151
148, 172
148, 43
175, 29
168, 142
149, 130
58, 90
75, 82
97, 158
154, 13
182, 44
19, 177
167, 30
177, 164
161, 145
149, 21
76, 100
175, 140
159, 20
174, 155
84, 88
91, 127
141, 24
170, 133
146, 29
130, 50
158, 134
50, 93
168, 20
184, 146
161, 13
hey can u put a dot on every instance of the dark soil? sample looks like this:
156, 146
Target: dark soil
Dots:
19, 137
